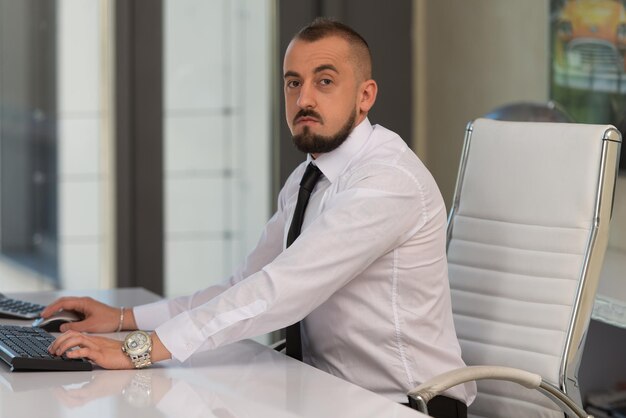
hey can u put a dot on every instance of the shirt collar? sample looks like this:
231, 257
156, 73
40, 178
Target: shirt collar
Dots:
333, 163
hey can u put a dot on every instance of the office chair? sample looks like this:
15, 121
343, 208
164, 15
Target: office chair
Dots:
527, 235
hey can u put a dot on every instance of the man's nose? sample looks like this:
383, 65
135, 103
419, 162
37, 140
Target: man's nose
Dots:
306, 99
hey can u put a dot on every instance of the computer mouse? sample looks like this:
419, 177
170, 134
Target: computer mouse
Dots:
54, 321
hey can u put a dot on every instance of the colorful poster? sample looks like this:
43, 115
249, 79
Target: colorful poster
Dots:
589, 44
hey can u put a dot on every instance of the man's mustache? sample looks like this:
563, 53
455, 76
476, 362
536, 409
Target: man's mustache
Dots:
304, 113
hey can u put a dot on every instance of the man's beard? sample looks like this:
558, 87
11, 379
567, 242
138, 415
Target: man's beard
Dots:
317, 144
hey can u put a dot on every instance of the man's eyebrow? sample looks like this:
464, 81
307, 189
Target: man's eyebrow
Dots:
318, 69
324, 67
291, 74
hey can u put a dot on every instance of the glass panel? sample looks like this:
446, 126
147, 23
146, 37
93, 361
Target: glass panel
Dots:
28, 137
51, 232
217, 136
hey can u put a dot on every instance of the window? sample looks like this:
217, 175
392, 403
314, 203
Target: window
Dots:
52, 211
218, 111
56, 193
28, 136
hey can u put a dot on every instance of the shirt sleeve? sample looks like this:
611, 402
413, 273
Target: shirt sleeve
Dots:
367, 219
150, 316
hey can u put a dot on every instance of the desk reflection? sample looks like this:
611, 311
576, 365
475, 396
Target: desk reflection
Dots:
244, 379
139, 389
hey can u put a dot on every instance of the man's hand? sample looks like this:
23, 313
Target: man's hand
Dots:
99, 317
105, 352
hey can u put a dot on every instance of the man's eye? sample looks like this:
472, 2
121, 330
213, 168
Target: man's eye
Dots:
293, 84
326, 82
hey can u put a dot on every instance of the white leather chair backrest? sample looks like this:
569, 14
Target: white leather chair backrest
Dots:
520, 236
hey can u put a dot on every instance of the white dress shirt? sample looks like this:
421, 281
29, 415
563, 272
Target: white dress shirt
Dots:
368, 274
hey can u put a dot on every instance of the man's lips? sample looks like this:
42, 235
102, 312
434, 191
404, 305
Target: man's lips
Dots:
306, 119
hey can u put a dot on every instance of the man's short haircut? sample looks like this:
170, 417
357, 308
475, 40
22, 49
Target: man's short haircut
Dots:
323, 27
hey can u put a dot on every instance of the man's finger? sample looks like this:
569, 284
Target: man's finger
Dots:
66, 303
66, 341
82, 352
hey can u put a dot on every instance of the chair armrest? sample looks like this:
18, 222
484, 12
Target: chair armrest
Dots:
428, 390
445, 381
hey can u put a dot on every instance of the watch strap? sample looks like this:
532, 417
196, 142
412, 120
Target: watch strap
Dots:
142, 360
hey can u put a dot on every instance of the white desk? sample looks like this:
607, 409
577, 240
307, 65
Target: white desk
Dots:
244, 379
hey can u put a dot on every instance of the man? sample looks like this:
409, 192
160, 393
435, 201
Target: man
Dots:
367, 274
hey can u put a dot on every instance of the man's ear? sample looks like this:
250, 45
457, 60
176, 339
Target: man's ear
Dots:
368, 92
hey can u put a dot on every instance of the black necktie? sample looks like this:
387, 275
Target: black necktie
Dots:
310, 177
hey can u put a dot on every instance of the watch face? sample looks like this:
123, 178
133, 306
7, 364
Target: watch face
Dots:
137, 342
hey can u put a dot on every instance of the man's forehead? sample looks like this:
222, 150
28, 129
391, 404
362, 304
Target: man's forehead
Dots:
330, 51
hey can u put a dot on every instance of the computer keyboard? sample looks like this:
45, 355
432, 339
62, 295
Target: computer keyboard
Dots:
26, 348
18, 309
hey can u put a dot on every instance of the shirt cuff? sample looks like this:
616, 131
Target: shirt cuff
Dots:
151, 315
180, 336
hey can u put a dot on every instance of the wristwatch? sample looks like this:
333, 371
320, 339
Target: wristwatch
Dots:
138, 345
